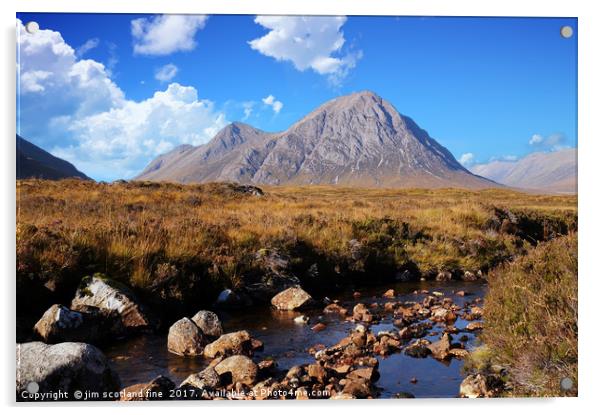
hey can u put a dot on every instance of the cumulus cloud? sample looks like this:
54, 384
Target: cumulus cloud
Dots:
467, 159
308, 42
166, 73
271, 101
86, 47
552, 142
165, 34
72, 108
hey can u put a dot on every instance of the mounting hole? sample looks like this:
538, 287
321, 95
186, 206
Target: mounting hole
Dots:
566, 32
32, 27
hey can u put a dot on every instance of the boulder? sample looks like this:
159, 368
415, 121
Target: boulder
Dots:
185, 338
104, 293
90, 325
241, 368
207, 379
389, 293
158, 389
238, 342
67, 367
209, 323
293, 298
357, 388
440, 348
474, 386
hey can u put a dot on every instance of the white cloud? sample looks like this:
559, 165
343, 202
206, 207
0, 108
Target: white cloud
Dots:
165, 34
86, 47
308, 42
552, 142
247, 109
536, 139
271, 101
72, 108
166, 73
467, 159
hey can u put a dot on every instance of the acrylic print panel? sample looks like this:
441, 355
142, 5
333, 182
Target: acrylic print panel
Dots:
289, 207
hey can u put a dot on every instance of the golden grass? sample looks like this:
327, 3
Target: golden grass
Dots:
70, 228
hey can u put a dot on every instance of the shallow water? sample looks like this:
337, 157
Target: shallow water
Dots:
142, 358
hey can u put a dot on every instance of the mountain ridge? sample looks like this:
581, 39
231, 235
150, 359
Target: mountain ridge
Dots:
35, 162
358, 140
548, 171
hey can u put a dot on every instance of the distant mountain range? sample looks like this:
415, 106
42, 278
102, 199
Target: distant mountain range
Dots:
553, 172
354, 140
33, 162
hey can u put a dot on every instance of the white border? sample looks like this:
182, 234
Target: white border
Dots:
590, 152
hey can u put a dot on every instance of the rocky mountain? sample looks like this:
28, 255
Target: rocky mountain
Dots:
554, 172
354, 140
32, 162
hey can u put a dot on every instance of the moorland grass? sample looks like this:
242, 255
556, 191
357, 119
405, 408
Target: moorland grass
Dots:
204, 237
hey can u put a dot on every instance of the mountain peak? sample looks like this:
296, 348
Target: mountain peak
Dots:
358, 139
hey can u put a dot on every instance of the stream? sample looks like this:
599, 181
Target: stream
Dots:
142, 358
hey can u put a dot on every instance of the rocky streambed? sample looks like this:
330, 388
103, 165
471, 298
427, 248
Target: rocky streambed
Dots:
406, 339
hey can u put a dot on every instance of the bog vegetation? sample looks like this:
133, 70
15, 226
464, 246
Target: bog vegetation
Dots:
531, 320
194, 240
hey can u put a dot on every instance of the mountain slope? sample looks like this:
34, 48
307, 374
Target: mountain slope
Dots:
33, 162
556, 171
354, 140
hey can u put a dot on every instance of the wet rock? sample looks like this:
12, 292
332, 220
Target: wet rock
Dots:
403, 395
444, 276
68, 367
458, 353
207, 379
362, 313
157, 389
301, 319
104, 293
366, 373
185, 338
209, 323
317, 372
357, 388
241, 368
418, 349
389, 293
319, 327
475, 325
238, 342
335, 309
469, 276
443, 315
90, 325
293, 298
415, 331
440, 348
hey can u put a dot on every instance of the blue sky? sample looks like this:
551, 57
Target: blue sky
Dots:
110, 92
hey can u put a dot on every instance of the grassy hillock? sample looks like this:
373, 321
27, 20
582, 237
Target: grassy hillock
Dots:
531, 320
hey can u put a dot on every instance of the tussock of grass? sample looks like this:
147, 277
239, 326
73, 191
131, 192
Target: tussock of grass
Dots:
531, 319
186, 242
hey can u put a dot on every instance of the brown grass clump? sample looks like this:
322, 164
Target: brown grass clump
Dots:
186, 242
531, 319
